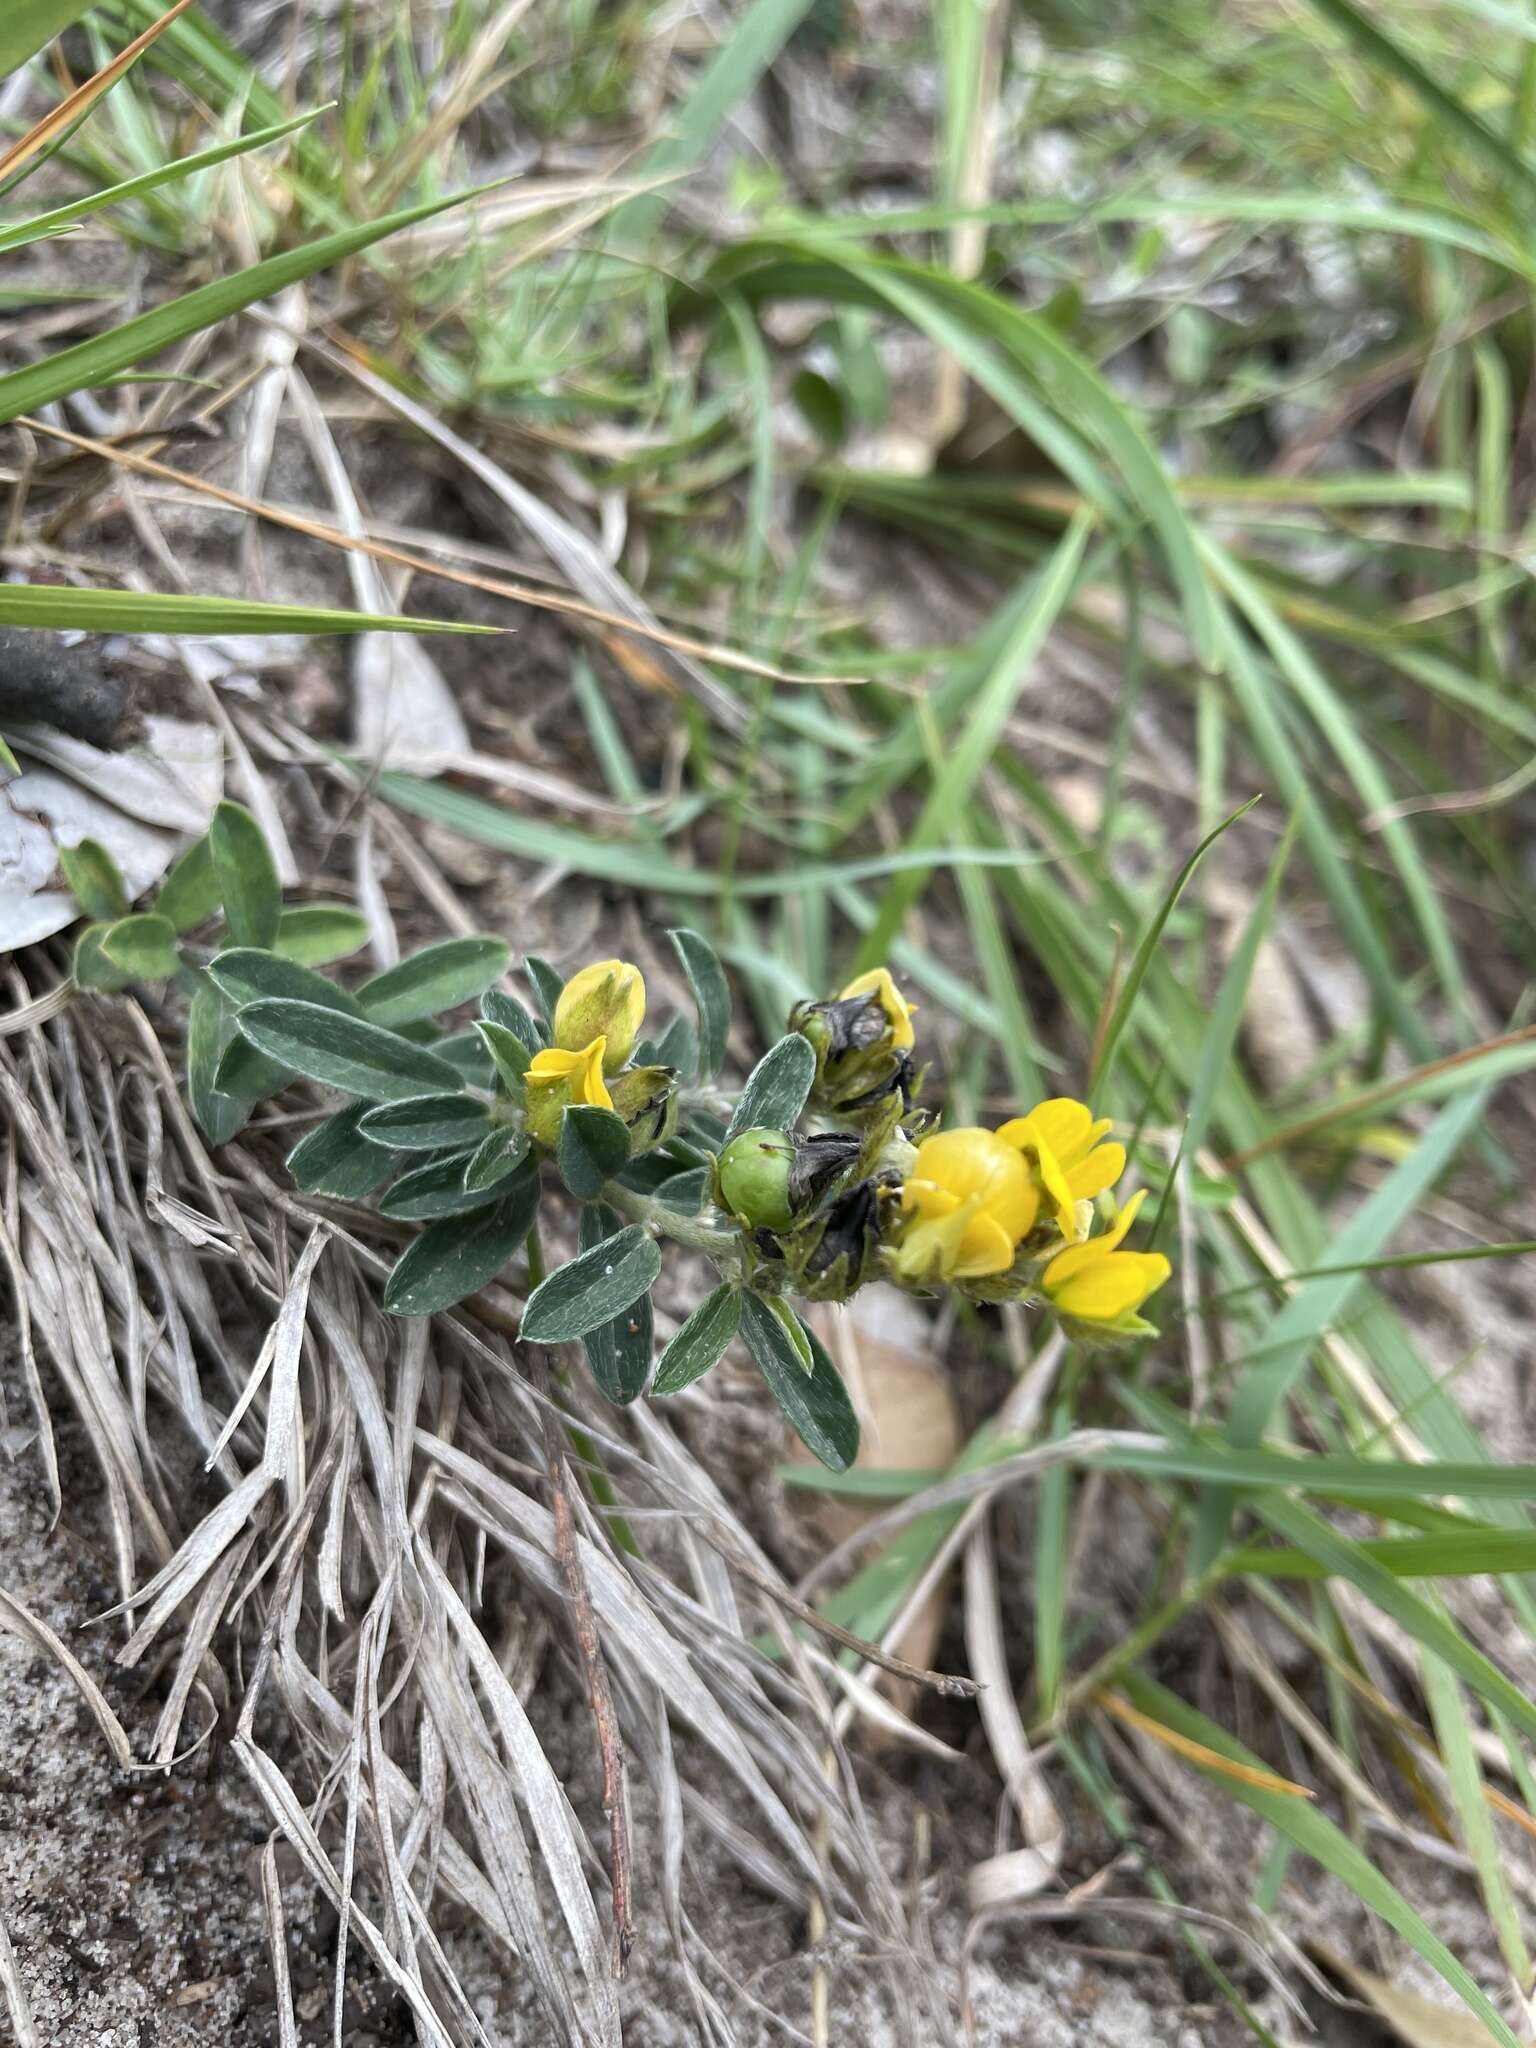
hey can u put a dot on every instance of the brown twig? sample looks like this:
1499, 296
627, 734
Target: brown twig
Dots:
949, 1685
609, 1741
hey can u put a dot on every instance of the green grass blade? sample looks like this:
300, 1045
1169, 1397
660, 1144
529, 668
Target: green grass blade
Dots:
951, 791
1453, 1732
30, 24
90, 362
1316, 1836
136, 611
1380, 50
1130, 989
17, 234
1287, 1341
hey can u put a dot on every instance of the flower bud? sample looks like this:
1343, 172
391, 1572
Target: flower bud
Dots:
607, 1001
753, 1176
863, 1044
647, 1100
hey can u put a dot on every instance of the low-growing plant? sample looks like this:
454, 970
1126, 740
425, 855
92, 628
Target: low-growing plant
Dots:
820, 1173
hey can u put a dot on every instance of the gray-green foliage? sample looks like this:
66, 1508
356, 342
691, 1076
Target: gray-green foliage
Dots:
432, 1125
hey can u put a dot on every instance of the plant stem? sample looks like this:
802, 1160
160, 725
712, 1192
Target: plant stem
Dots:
685, 1230
1081, 1690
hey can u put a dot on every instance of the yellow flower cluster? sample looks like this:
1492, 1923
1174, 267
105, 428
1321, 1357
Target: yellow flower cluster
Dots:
974, 1196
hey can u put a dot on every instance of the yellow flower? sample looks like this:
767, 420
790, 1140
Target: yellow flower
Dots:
1096, 1282
606, 1001
898, 1011
1063, 1138
967, 1202
555, 1077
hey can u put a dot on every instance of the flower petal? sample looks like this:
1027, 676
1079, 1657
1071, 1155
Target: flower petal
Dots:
985, 1248
898, 1011
1100, 1169
1105, 1290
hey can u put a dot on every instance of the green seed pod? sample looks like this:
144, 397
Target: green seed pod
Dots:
753, 1176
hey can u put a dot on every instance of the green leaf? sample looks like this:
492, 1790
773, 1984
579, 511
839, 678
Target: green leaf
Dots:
91, 362
1420, 1618
92, 877
1282, 1347
314, 934
700, 1344
677, 1047
545, 982
210, 1027
817, 1403
189, 895
465, 1052
252, 974
436, 1189
247, 875
8, 761
336, 1159
594, 1144
497, 1007
755, 36
1453, 1731
349, 1053
509, 1054
66, 609
619, 1352
143, 946
592, 1289
427, 1123
711, 995
794, 1330
685, 1191
1316, 1835
453, 1258
247, 1076
500, 1153
437, 978
27, 25
1324, 1478
92, 967
776, 1088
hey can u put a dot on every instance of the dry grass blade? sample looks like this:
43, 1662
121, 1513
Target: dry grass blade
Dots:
1044, 1833
686, 647
17, 1619
610, 1742
1197, 1752
58, 121
277, 1944
17, 2004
